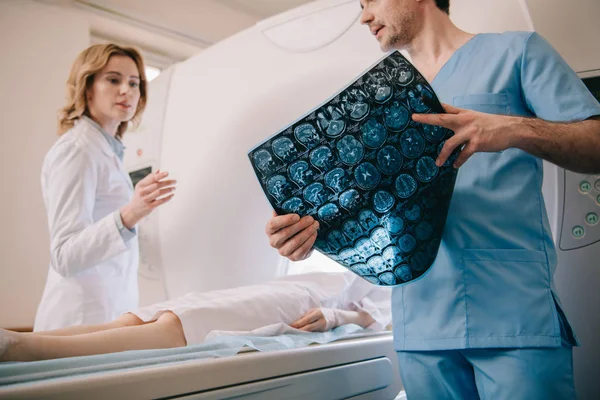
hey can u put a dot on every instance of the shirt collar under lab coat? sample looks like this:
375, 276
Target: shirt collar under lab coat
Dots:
114, 143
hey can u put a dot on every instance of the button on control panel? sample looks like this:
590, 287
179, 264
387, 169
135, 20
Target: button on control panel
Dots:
581, 217
585, 187
591, 218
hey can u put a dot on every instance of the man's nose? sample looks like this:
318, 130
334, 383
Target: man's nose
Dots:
365, 16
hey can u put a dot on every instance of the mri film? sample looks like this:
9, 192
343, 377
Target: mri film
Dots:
366, 171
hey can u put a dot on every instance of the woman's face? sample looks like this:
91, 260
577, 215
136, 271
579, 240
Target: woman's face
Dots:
115, 93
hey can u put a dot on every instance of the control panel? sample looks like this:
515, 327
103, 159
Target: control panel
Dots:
581, 210
581, 214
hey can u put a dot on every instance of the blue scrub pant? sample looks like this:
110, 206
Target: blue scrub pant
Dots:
496, 374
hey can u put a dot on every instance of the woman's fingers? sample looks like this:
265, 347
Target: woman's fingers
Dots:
158, 193
308, 318
159, 202
145, 190
317, 326
153, 177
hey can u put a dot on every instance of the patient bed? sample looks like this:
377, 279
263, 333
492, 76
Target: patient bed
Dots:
345, 363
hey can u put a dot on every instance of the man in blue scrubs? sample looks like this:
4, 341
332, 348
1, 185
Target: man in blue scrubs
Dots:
485, 321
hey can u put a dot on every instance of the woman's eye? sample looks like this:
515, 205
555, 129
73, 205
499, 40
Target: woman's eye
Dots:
114, 81
134, 84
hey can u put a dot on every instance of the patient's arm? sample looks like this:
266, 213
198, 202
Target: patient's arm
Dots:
323, 319
165, 332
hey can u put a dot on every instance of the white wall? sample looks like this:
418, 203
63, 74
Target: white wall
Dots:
38, 43
478, 16
572, 27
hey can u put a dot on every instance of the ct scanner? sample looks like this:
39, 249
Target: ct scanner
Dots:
203, 116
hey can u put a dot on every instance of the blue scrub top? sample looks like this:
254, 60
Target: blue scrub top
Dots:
491, 283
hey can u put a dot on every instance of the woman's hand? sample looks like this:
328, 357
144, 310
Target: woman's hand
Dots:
313, 321
150, 192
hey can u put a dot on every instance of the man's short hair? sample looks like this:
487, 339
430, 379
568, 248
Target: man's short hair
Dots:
443, 5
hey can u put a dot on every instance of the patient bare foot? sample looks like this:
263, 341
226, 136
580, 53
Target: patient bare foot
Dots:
6, 340
10, 349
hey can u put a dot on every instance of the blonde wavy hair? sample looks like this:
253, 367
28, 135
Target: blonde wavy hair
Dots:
87, 64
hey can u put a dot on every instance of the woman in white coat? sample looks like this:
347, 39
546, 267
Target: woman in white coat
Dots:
314, 302
90, 200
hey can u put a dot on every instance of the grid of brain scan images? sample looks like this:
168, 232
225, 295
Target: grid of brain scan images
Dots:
360, 166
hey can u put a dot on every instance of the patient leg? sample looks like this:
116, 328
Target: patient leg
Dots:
124, 320
165, 332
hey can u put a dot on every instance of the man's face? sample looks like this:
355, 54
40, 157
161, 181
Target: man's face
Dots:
393, 22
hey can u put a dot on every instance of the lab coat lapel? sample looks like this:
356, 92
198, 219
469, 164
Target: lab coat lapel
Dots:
95, 137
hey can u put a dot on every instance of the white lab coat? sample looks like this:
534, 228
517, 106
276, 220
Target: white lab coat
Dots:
92, 277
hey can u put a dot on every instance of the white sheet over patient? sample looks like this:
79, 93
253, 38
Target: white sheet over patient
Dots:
269, 308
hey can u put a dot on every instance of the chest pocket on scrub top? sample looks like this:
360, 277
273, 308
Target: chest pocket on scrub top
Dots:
490, 103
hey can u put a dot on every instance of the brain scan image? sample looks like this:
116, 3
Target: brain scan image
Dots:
412, 143
264, 161
354, 102
393, 223
413, 213
426, 169
322, 158
315, 194
367, 176
406, 243
366, 248
293, 206
331, 121
360, 165
434, 133
389, 160
392, 256
379, 87
328, 213
373, 133
307, 135
420, 260
396, 116
279, 187
351, 200
362, 269
368, 220
351, 151
403, 273
401, 72
336, 239
405, 186
285, 149
419, 98
337, 180
300, 173
350, 256
380, 238
424, 230
383, 201
352, 230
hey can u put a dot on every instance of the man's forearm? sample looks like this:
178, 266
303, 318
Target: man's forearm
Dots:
573, 146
